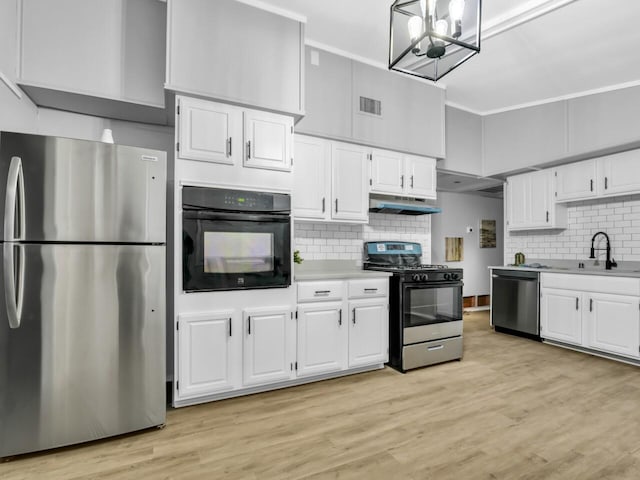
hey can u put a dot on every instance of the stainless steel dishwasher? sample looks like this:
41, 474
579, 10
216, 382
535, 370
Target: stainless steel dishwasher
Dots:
515, 302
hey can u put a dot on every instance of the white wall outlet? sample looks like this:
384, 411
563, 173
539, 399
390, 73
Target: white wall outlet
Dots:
315, 58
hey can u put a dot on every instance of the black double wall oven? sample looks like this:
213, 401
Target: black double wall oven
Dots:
235, 239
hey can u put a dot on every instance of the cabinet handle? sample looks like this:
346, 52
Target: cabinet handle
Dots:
230, 332
336, 205
606, 183
322, 292
340, 317
249, 322
591, 304
354, 316
249, 150
229, 146
591, 184
370, 290
577, 300
411, 181
547, 216
401, 181
323, 204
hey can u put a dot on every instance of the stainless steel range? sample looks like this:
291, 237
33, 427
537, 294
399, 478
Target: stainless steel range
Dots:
425, 314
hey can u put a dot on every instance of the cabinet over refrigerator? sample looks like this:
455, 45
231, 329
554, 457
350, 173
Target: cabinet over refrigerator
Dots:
82, 291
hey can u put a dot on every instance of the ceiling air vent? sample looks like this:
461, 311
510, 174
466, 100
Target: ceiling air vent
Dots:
371, 106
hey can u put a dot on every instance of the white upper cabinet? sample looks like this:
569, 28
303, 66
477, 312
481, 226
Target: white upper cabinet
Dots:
268, 140
576, 181
349, 185
95, 57
530, 202
420, 177
387, 172
209, 131
396, 174
619, 174
234, 52
311, 178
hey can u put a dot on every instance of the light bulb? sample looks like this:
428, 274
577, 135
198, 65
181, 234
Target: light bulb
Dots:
456, 10
442, 26
415, 27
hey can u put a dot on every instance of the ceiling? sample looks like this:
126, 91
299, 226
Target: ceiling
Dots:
532, 50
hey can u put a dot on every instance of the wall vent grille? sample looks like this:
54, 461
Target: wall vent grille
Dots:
371, 106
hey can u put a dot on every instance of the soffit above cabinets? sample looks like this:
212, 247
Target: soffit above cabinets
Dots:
532, 51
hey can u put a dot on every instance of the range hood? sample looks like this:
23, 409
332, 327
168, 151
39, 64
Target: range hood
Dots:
400, 205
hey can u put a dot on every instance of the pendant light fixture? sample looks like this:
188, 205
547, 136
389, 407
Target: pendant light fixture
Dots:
429, 38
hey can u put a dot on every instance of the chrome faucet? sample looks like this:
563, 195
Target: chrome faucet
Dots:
610, 262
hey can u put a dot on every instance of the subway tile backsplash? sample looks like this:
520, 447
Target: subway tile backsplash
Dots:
619, 217
335, 241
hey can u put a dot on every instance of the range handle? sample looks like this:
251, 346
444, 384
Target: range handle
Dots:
13, 283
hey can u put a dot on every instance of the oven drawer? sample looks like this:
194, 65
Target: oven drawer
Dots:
429, 353
320, 291
370, 287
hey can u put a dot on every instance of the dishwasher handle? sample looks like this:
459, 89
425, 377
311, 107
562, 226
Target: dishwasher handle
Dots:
507, 277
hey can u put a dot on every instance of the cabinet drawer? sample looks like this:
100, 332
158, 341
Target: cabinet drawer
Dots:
320, 291
373, 287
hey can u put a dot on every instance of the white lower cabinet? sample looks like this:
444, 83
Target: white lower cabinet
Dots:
561, 315
614, 324
322, 338
368, 338
268, 339
206, 354
600, 314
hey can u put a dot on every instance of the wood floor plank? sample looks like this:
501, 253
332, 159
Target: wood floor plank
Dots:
510, 409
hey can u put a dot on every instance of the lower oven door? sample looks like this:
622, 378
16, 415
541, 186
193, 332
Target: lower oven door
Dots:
431, 311
232, 251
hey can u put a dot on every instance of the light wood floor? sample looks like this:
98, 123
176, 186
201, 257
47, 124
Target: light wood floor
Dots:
511, 409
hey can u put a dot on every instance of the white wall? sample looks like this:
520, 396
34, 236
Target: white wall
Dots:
330, 241
460, 211
618, 217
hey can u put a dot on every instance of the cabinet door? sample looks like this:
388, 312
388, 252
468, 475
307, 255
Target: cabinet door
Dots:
420, 177
387, 172
539, 198
576, 181
311, 178
268, 344
349, 185
205, 354
620, 173
208, 131
613, 323
322, 335
518, 207
561, 315
368, 332
268, 140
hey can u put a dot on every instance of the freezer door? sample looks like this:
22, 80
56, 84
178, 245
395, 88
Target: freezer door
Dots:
59, 189
85, 358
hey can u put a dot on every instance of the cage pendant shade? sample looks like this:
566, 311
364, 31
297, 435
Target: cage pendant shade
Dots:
448, 36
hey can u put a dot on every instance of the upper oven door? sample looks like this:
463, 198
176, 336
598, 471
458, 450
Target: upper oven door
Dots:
432, 303
231, 251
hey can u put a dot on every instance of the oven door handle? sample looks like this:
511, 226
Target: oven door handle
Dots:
427, 284
244, 217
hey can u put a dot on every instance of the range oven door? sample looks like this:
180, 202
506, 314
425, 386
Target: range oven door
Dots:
232, 251
431, 311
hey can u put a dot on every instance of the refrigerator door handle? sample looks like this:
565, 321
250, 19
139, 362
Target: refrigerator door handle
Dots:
12, 284
14, 196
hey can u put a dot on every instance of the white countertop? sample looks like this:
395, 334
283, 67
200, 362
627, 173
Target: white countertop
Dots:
633, 272
333, 270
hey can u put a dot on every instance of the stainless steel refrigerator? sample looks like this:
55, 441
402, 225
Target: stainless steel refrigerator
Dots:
82, 291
